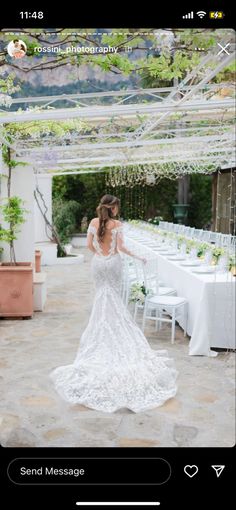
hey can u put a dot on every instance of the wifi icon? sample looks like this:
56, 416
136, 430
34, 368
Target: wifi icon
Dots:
201, 14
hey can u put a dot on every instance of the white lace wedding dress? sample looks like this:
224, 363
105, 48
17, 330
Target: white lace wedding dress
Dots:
115, 367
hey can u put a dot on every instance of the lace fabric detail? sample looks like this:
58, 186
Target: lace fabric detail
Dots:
114, 233
91, 229
113, 244
115, 366
96, 245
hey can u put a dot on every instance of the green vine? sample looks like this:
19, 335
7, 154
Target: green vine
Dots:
12, 211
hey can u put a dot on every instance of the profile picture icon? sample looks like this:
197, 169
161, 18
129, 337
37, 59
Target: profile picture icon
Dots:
16, 48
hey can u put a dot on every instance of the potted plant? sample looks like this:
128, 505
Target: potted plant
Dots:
16, 278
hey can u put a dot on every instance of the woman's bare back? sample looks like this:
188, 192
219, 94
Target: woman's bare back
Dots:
105, 245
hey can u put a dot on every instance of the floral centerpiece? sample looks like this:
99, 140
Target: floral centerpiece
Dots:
232, 264
155, 220
201, 247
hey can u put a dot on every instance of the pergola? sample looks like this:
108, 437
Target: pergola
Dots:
191, 122
173, 130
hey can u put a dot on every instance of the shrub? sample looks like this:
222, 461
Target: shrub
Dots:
200, 210
65, 218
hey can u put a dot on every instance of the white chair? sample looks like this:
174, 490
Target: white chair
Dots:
198, 233
129, 277
206, 235
149, 274
167, 306
233, 243
190, 232
226, 240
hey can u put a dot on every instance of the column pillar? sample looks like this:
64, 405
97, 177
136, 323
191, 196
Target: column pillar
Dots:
22, 185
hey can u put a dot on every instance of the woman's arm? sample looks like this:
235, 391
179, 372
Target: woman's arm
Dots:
90, 243
90, 234
121, 246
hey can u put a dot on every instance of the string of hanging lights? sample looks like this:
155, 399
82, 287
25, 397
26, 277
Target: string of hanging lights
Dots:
150, 174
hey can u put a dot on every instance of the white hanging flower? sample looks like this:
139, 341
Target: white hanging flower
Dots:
164, 38
5, 100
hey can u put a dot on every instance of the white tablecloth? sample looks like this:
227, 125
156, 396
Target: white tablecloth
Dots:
211, 304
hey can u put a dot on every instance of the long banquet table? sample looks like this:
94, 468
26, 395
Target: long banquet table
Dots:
211, 302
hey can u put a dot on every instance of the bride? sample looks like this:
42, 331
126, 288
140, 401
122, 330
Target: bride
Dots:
115, 367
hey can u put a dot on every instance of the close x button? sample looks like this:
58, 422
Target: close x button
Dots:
89, 471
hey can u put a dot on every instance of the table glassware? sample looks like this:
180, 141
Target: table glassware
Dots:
222, 265
193, 253
207, 258
183, 249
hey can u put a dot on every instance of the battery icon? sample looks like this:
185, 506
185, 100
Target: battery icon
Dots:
216, 14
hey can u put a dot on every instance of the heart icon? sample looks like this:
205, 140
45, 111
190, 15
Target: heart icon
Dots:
190, 470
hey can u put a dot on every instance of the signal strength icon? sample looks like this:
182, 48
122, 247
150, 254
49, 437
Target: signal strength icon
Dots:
188, 16
201, 14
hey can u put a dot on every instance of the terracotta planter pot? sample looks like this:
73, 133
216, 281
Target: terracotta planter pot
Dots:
16, 289
38, 255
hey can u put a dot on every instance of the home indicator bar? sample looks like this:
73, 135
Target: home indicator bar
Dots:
118, 503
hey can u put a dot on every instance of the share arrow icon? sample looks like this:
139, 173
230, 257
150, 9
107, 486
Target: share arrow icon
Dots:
218, 470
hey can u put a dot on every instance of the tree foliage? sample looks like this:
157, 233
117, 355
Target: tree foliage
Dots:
165, 54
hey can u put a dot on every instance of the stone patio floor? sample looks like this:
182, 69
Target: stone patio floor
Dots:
32, 414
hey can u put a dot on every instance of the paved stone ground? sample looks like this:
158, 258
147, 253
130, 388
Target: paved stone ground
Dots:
32, 414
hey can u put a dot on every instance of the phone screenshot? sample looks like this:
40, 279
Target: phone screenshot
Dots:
117, 258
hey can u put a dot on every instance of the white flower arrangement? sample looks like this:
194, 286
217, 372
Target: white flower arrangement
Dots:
138, 293
200, 246
155, 220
